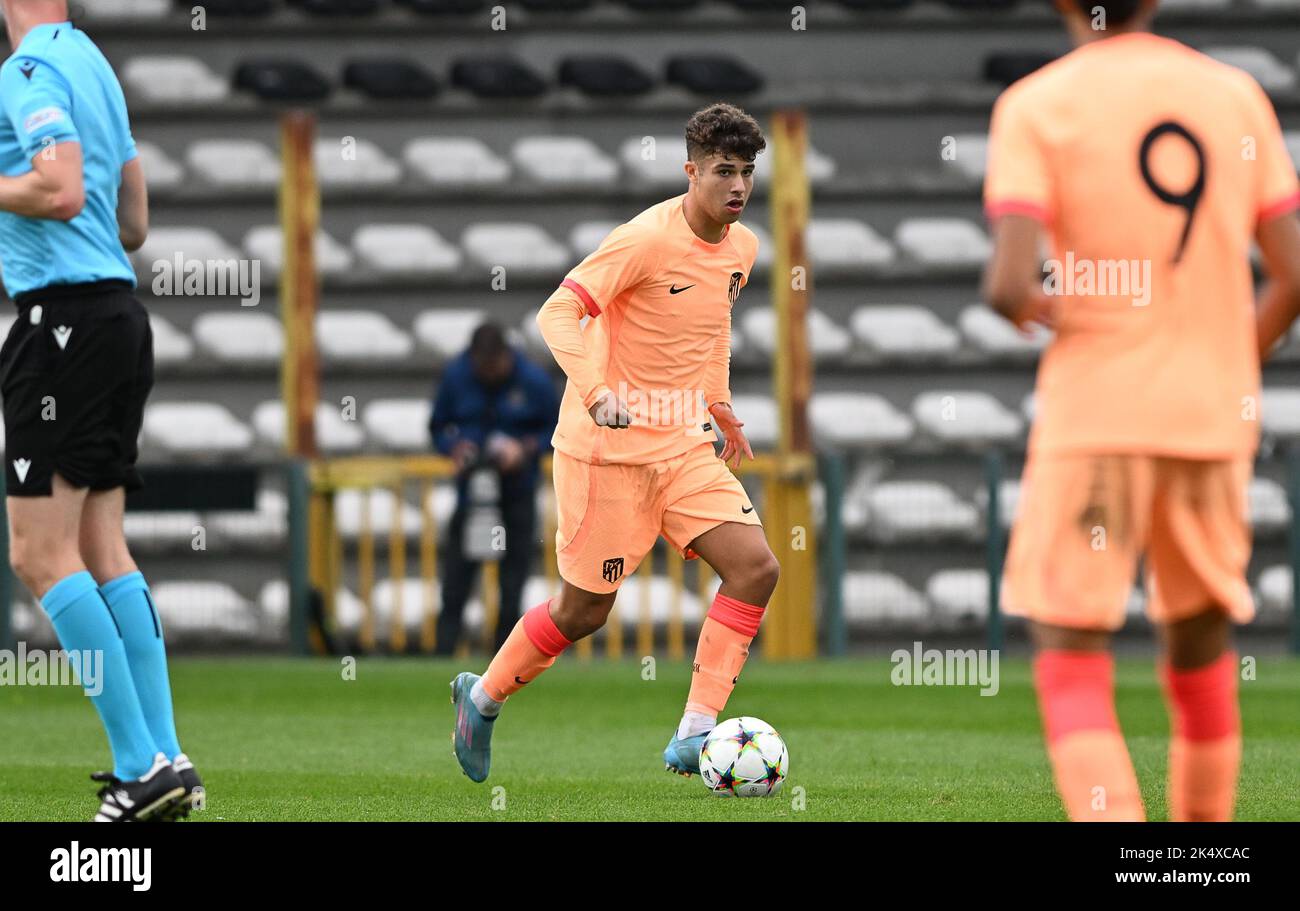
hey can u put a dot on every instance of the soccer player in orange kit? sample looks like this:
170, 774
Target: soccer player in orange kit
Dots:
1154, 166
634, 456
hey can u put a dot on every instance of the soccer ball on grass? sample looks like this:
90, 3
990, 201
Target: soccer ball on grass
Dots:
744, 757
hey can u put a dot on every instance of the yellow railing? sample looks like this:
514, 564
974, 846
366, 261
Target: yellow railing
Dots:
789, 628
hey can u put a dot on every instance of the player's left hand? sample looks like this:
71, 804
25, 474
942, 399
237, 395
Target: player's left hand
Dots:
735, 444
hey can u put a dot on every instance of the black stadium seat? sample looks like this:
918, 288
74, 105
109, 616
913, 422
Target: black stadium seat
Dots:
496, 77
661, 6
871, 6
712, 75
980, 6
444, 7
1006, 68
557, 6
281, 80
338, 7
389, 79
604, 76
231, 7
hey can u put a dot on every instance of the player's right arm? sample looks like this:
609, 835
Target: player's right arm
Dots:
625, 259
37, 103
1277, 195
132, 207
1018, 202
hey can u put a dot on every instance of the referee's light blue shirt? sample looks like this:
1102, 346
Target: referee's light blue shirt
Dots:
57, 87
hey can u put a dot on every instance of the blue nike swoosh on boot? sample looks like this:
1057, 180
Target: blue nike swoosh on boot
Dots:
472, 738
683, 755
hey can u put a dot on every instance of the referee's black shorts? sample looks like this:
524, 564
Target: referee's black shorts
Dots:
75, 371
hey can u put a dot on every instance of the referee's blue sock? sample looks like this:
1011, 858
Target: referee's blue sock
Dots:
84, 624
128, 597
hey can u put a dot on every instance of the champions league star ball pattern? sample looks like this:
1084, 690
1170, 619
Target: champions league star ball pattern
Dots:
744, 757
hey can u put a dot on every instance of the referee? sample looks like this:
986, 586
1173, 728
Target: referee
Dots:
75, 371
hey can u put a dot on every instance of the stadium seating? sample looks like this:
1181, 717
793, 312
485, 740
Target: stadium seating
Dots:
455, 160
172, 80
334, 433
903, 332
234, 163
405, 250
966, 417
351, 336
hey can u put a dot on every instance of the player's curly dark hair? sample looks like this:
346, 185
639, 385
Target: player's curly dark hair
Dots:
723, 129
1118, 12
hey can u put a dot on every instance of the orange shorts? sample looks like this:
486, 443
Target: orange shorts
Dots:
611, 515
1085, 520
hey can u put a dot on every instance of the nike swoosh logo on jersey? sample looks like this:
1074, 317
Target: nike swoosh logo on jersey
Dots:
676, 290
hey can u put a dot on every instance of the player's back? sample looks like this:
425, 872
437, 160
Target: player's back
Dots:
1151, 165
57, 87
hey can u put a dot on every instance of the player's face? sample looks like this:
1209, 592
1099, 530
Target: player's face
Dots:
723, 185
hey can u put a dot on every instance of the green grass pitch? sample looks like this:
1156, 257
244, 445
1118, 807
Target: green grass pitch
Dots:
290, 739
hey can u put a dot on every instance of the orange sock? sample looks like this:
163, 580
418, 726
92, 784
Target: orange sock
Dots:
1205, 750
1076, 695
728, 629
530, 649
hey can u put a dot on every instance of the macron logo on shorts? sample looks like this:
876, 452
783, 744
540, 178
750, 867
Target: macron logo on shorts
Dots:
61, 335
20, 468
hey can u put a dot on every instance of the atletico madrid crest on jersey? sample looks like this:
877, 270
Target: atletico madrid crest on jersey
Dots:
734, 291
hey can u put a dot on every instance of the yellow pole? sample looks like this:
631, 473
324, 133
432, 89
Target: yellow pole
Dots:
428, 567
397, 571
789, 627
299, 292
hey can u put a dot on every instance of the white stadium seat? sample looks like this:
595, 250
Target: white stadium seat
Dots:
516, 247
1269, 509
636, 600
992, 334
970, 152
163, 243
240, 338
170, 345
586, 236
273, 600
1268, 71
943, 241
161, 171
333, 433
442, 502
760, 416
959, 595
857, 419
406, 249
1279, 411
203, 607
827, 340
399, 424
1008, 500
1274, 591
918, 509
195, 428
819, 166
160, 530
903, 331
966, 416
658, 160
122, 10
172, 79
563, 160
361, 336
264, 243
349, 515
446, 332
234, 163
265, 526
352, 162
456, 161
845, 244
872, 598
